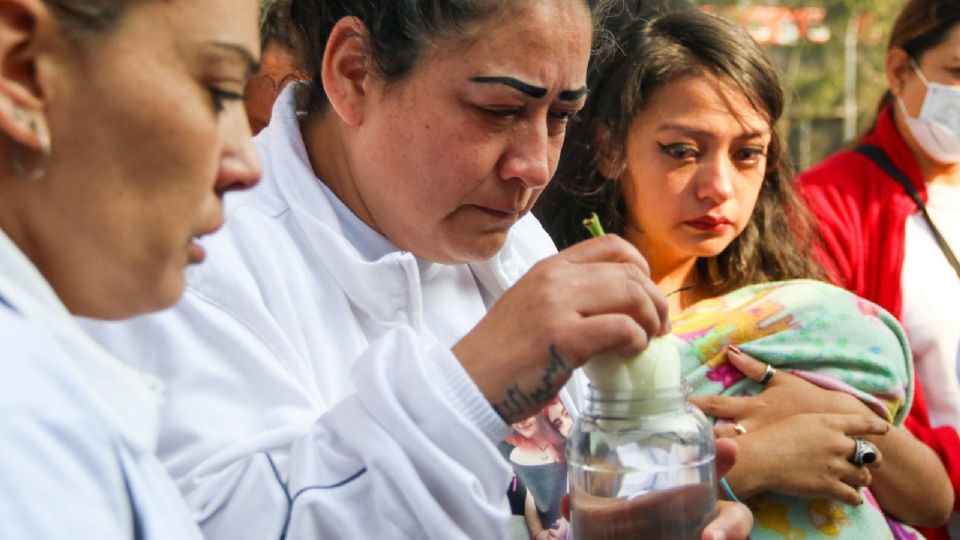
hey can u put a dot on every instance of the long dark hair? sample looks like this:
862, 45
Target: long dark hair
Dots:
651, 53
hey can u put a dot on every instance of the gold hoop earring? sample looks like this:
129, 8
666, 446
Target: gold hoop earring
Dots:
42, 160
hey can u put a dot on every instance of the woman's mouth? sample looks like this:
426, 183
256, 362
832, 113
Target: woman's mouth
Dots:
715, 224
502, 214
196, 253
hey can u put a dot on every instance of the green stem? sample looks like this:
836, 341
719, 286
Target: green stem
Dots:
593, 225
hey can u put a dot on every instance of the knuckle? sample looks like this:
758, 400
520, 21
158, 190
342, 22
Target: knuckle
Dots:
633, 273
616, 243
710, 402
634, 293
625, 329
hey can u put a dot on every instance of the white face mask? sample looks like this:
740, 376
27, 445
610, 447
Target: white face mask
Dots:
937, 129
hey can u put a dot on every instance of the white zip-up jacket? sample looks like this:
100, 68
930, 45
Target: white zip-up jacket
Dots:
78, 429
311, 391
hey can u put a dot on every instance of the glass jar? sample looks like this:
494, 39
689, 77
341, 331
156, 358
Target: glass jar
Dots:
641, 465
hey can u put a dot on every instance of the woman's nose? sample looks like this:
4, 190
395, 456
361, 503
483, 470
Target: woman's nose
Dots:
240, 166
715, 180
527, 158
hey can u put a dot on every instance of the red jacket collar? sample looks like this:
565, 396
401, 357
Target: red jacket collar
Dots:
887, 136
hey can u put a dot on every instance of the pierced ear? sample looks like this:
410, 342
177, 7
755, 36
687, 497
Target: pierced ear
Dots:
346, 69
897, 68
21, 105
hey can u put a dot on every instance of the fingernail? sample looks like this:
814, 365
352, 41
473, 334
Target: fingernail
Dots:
734, 348
718, 535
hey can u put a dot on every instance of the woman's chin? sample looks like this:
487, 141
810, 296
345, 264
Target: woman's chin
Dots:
464, 251
147, 299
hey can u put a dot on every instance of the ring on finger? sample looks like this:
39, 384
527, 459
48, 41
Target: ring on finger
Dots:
768, 374
864, 453
738, 427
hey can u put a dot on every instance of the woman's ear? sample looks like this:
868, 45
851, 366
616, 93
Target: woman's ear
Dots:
22, 117
897, 68
346, 69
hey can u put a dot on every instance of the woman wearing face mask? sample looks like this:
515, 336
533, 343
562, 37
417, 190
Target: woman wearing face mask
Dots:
121, 128
877, 239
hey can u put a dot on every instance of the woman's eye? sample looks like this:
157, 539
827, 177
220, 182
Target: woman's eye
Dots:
220, 97
559, 121
750, 155
501, 113
681, 151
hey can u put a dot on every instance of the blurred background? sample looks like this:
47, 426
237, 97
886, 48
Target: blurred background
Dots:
830, 54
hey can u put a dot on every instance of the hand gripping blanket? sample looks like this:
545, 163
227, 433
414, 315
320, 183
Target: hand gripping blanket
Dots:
825, 335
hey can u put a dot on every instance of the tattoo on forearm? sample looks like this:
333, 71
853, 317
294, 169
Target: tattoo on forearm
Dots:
554, 375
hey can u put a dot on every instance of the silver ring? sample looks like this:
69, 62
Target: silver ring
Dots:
768, 374
738, 427
864, 453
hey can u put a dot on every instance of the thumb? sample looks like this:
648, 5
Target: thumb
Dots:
726, 455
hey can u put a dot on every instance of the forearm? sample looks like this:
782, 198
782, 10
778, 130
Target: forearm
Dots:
911, 484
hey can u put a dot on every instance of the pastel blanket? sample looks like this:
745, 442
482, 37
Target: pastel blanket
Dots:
825, 335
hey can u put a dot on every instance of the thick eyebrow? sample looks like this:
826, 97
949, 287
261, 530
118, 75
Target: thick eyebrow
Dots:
241, 53
573, 95
693, 132
536, 92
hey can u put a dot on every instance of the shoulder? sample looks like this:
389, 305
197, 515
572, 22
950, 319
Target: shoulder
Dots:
59, 453
47, 409
35, 373
842, 171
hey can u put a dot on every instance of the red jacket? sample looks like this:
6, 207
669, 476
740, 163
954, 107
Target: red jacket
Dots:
862, 214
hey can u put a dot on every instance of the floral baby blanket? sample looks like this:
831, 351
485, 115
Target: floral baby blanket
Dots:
829, 337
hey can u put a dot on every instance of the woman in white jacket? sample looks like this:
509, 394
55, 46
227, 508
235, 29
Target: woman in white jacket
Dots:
382, 307
120, 130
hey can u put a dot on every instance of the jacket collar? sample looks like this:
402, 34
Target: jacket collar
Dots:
396, 296
127, 398
887, 136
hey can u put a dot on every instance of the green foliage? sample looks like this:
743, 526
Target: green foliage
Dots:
814, 74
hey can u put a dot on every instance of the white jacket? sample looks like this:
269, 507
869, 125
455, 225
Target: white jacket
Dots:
307, 395
78, 429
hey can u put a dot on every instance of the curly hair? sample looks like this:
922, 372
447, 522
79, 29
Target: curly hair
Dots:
650, 53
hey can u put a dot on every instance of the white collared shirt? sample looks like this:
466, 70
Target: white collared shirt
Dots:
77, 427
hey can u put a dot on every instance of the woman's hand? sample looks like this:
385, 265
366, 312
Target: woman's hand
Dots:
806, 455
592, 298
785, 395
913, 487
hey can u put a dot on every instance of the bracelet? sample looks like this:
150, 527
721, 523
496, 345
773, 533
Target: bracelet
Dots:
725, 486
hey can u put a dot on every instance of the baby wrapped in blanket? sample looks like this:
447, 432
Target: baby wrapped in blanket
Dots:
825, 335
